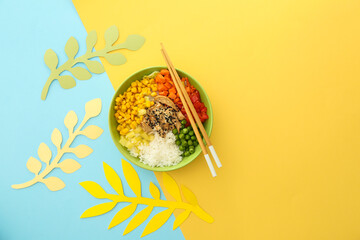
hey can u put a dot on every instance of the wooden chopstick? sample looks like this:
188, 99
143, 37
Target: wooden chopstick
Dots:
192, 109
192, 122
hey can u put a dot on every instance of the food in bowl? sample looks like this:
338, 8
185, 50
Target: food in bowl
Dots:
152, 121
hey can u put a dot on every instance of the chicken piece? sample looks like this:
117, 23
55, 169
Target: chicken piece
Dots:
167, 101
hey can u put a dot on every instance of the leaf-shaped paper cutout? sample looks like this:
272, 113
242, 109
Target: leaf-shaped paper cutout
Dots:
51, 60
69, 166
189, 195
67, 81
122, 215
154, 191
171, 186
71, 48
53, 183
181, 218
33, 165
132, 178
70, 121
115, 58
95, 66
92, 132
94, 189
111, 35
134, 42
91, 41
56, 138
44, 153
80, 73
82, 151
98, 209
93, 107
138, 219
113, 178
157, 221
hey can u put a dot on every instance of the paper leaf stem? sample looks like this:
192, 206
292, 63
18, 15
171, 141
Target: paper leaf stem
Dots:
92, 108
133, 42
134, 182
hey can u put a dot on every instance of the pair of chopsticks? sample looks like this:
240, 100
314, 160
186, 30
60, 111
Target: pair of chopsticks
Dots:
191, 113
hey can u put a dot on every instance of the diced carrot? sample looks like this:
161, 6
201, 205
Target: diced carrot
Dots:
172, 95
168, 85
167, 78
159, 78
188, 89
164, 93
172, 90
165, 72
161, 87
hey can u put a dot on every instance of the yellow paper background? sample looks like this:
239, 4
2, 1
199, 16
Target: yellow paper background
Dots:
284, 81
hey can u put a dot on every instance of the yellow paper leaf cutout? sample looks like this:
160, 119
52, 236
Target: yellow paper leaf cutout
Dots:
154, 191
53, 183
138, 219
181, 218
56, 138
92, 132
44, 153
70, 121
189, 195
33, 165
93, 107
69, 165
98, 209
133, 42
113, 178
132, 178
122, 215
94, 189
171, 186
157, 221
71, 47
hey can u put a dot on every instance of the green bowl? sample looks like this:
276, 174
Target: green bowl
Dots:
113, 123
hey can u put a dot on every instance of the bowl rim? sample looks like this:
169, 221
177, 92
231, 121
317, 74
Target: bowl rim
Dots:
147, 167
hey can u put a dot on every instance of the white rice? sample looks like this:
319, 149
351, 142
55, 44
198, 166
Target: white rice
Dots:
161, 152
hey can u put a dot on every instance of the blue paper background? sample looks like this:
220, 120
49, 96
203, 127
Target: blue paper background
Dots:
28, 29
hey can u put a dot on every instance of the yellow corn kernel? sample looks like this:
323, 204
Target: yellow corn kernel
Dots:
123, 108
152, 81
116, 115
128, 111
132, 117
152, 103
128, 121
139, 89
147, 104
117, 99
132, 99
134, 84
140, 84
154, 89
128, 105
123, 102
141, 118
153, 94
142, 100
122, 114
119, 128
118, 121
133, 90
133, 125
124, 131
127, 116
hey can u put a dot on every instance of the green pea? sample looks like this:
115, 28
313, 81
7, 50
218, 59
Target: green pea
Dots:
190, 142
187, 137
185, 131
181, 136
182, 148
189, 128
175, 131
187, 153
196, 143
192, 147
184, 143
193, 138
178, 142
184, 122
191, 133
177, 137
191, 150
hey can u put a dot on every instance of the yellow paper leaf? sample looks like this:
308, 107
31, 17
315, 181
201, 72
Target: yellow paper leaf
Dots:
98, 209
181, 218
91, 41
71, 47
33, 165
93, 107
132, 178
111, 35
189, 195
51, 59
44, 153
56, 138
67, 81
122, 215
81, 151
69, 166
95, 66
92, 132
80, 73
154, 191
94, 189
138, 219
171, 186
113, 179
115, 58
53, 183
71, 120
157, 221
